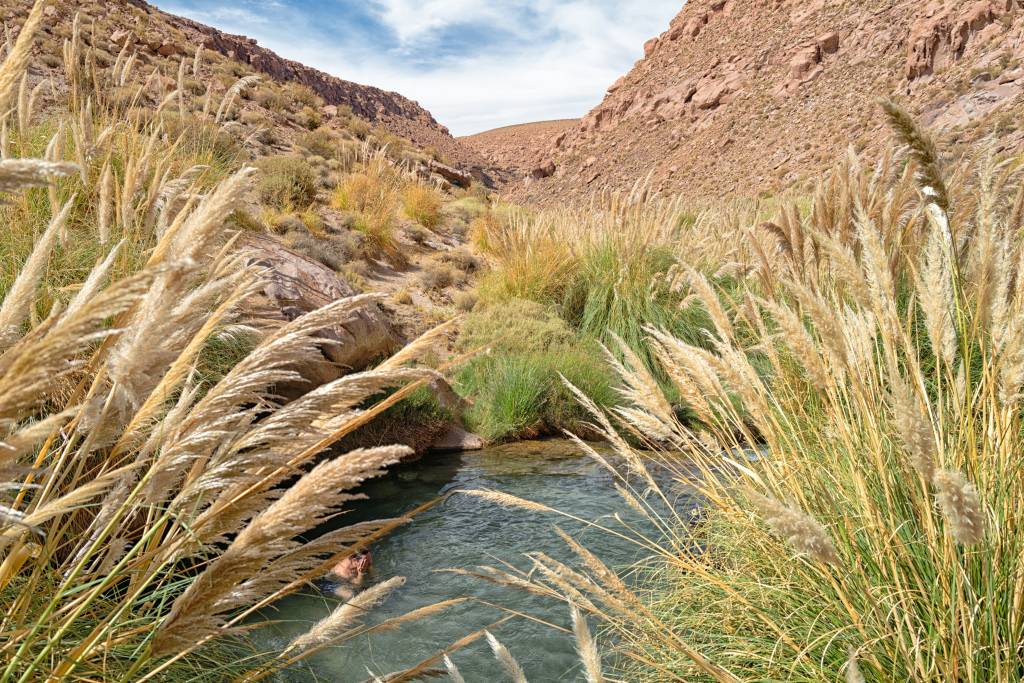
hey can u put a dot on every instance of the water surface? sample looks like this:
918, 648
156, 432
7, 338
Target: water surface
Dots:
466, 532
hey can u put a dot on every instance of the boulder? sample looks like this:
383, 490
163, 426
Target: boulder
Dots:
451, 174
120, 37
456, 440
294, 284
711, 91
803, 62
545, 170
828, 43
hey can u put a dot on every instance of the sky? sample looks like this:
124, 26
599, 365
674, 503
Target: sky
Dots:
474, 64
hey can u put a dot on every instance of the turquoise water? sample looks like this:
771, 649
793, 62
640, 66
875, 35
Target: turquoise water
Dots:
465, 532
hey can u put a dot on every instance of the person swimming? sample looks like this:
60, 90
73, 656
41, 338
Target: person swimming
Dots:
350, 574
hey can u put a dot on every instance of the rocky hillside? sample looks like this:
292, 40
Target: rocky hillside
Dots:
520, 149
749, 96
159, 38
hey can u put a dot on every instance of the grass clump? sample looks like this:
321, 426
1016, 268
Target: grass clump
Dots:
320, 142
437, 276
373, 195
516, 386
286, 181
422, 204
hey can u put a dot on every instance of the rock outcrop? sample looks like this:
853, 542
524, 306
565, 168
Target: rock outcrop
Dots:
293, 285
751, 96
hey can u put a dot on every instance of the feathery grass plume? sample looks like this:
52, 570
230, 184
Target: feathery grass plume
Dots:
18, 299
507, 661
913, 427
798, 528
232, 94
853, 674
453, 671
334, 624
641, 389
256, 562
586, 646
13, 67
935, 293
961, 506
506, 500
800, 342
19, 174
924, 152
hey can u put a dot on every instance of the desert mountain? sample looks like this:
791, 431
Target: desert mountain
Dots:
749, 96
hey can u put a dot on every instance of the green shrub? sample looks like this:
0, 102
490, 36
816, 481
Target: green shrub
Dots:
516, 326
320, 142
309, 118
286, 181
516, 389
521, 396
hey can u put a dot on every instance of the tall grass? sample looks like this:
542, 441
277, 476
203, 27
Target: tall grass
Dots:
609, 267
146, 513
861, 514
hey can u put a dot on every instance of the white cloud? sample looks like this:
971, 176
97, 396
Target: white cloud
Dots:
519, 80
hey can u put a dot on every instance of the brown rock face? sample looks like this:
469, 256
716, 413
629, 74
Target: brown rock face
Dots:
294, 285
524, 149
750, 96
942, 30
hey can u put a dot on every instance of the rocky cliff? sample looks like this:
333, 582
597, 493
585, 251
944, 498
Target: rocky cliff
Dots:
749, 96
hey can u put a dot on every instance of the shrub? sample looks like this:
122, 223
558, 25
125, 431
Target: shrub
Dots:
418, 234
309, 118
331, 250
303, 94
320, 142
423, 205
461, 259
515, 326
274, 100
359, 128
436, 276
465, 301
286, 181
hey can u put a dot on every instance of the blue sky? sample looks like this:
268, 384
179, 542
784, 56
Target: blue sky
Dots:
474, 64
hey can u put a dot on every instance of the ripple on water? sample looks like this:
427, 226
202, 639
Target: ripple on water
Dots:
465, 532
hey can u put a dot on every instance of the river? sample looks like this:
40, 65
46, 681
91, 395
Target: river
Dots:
465, 532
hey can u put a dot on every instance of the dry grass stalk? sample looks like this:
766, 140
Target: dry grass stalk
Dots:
507, 661
961, 506
331, 626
